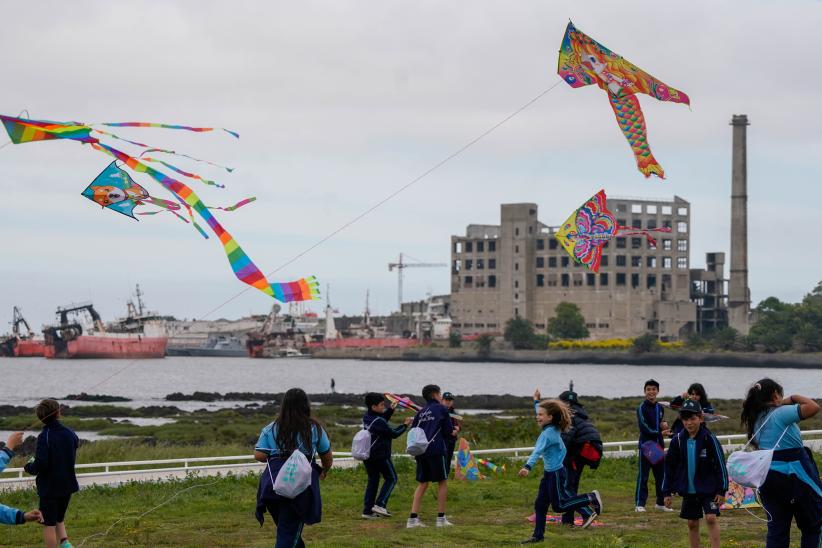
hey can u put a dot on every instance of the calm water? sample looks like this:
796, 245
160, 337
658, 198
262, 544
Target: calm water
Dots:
23, 381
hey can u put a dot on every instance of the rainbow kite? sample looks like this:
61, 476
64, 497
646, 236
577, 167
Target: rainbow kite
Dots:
466, 465
402, 401
584, 61
22, 130
491, 466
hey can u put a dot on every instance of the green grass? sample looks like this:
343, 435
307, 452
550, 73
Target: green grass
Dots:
486, 513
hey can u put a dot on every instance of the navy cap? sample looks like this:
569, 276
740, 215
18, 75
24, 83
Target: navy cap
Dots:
448, 396
569, 396
691, 406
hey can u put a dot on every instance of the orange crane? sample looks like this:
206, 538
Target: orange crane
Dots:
402, 265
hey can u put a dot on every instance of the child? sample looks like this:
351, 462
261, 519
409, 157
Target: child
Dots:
652, 427
13, 516
379, 460
554, 417
53, 464
431, 465
697, 393
451, 442
695, 469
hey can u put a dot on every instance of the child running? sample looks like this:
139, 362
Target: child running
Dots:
554, 417
695, 469
53, 464
379, 462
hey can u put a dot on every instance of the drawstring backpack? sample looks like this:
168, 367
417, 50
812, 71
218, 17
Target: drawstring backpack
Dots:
294, 476
417, 442
750, 468
362, 444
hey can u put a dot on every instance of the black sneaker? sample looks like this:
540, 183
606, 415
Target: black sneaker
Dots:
532, 540
597, 501
589, 520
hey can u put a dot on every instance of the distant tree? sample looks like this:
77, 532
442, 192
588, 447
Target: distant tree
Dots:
775, 327
520, 333
454, 339
696, 341
726, 338
483, 344
540, 341
645, 343
568, 323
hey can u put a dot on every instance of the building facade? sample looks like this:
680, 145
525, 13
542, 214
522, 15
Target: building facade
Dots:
518, 269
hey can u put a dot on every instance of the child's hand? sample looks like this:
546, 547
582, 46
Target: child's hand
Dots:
667, 502
394, 404
719, 500
15, 440
523, 472
455, 431
537, 394
33, 515
408, 421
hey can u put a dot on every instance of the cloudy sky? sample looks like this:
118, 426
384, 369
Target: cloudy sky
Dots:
340, 103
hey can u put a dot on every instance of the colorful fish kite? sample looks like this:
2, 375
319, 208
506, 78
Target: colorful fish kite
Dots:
491, 466
402, 401
23, 130
584, 61
589, 228
466, 465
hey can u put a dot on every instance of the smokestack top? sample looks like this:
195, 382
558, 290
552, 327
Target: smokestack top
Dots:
740, 120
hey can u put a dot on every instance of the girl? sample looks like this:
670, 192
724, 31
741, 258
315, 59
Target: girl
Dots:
697, 393
293, 430
554, 417
792, 489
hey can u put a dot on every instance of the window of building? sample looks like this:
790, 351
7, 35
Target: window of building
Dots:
468, 264
666, 262
516, 296
516, 266
552, 280
604, 260
492, 281
666, 224
634, 281
621, 260
492, 264
636, 261
516, 232
479, 281
650, 209
621, 207
480, 264
636, 208
682, 227
651, 281
552, 243
564, 261
620, 278
636, 243
666, 282
566, 280
480, 247
530, 230
652, 223
620, 243
651, 262
516, 312
457, 266
457, 247
540, 262
666, 210
603, 279
682, 211
621, 222
516, 249
552, 262
469, 247
577, 280
540, 243
516, 284
682, 245
636, 223
682, 262
469, 281
590, 279
540, 280
492, 246
667, 245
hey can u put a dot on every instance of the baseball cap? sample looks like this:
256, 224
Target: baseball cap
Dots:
690, 406
448, 396
569, 396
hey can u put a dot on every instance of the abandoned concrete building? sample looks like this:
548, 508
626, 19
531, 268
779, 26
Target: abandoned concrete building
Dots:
517, 269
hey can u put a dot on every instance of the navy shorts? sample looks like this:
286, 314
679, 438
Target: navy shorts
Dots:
431, 468
694, 506
54, 509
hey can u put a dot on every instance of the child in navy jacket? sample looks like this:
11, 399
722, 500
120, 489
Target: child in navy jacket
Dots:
379, 461
695, 469
652, 427
53, 464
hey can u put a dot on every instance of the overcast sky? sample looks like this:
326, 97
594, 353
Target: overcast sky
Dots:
340, 103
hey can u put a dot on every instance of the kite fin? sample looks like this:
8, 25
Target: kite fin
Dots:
632, 123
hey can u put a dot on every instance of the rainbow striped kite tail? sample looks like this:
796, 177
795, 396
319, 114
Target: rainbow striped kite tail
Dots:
313, 288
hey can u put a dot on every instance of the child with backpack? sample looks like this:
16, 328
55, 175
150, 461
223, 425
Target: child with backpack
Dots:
554, 417
426, 442
695, 469
375, 446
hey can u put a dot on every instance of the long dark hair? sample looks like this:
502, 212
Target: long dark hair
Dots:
697, 388
294, 421
759, 398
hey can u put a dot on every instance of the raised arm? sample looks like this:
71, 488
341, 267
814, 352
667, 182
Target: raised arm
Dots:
807, 407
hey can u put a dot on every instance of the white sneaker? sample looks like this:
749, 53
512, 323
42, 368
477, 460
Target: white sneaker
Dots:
381, 511
589, 521
370, 516
597, 501
443, 522
639, 509
414, 522
663, 508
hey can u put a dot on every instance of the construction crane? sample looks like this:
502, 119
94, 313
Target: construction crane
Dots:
400, 266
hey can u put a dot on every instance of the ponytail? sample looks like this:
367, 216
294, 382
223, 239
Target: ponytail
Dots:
759, 398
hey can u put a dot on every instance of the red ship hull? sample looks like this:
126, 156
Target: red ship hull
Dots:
116, 347
29, 349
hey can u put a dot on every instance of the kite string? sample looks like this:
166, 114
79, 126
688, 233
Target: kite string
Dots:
396, 192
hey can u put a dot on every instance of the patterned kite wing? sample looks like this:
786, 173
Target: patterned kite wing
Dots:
116, 190
466, 465
587, 230
22, 130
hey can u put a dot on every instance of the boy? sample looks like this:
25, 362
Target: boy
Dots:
651, 428
379, 460
583, 444
431, 465
450, 442
13, 516
695, 469
53, 464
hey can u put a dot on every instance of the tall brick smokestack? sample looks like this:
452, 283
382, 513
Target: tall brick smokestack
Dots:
739, 296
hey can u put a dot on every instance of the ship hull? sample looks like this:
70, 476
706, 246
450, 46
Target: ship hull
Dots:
111, 347
206, 352
29, 349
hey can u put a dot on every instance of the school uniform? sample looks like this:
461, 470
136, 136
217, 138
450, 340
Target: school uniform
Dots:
379, 462
53, 464
582, 432
553, 490
649, 418
451, 441
290, 515
792, 489
436, 423
695, 469
9, 515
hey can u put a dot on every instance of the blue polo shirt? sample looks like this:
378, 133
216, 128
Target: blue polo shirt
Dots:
783, 418
268, 442
691, 452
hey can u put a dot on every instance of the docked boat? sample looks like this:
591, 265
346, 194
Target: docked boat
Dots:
21, 344
217, 345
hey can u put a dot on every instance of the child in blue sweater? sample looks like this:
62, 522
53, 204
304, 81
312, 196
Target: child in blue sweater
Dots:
554, 417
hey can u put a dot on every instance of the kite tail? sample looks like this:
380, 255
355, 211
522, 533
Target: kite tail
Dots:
181, 172
632, 123
171, 126
244, 269
627, 231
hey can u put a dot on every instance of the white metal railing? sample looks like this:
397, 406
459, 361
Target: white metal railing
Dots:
614, 449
